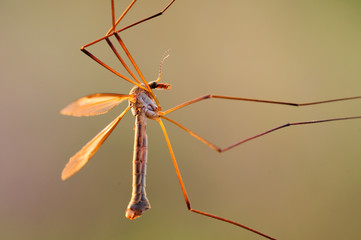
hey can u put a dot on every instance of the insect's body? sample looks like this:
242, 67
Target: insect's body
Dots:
143, 107
139, 202
142, 103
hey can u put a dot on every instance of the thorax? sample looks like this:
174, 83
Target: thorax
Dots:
142, 104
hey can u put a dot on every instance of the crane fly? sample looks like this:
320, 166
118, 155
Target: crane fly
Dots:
144, 105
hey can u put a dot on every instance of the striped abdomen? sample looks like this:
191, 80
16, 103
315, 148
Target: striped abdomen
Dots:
139, 202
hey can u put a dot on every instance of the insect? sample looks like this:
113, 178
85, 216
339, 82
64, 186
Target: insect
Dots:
144, 105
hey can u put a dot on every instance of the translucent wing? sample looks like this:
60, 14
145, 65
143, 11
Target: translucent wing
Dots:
81, 158
94, 104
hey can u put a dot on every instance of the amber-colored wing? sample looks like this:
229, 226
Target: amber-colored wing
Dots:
94, 104
81, 158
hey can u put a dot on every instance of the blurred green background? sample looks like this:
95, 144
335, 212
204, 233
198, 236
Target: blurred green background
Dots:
298, 183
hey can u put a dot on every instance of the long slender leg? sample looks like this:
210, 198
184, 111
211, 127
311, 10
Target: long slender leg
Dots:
256, 100
136, 68
113, 18
129, 26
124, 48
148, 18
134, 64
121, 60
218, 149
111, 69
186, 195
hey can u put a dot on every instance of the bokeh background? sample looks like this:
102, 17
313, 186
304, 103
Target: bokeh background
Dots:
298, 183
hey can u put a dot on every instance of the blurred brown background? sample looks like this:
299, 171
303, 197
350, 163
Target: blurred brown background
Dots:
298, 183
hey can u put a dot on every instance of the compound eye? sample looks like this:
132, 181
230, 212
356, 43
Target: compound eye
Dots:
153, 85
